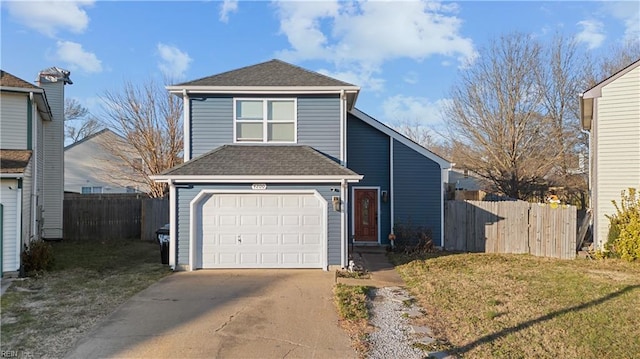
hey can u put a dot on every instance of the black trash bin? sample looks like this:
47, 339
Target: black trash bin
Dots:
162, 236
164, 252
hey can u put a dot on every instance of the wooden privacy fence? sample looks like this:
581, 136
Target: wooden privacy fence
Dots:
510, 227
97, 217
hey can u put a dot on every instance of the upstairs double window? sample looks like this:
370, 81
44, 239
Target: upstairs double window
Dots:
265, 120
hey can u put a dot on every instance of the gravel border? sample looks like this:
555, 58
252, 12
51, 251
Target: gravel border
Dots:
392, 338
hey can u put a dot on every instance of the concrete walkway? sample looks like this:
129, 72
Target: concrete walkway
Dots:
225, 314
374, 260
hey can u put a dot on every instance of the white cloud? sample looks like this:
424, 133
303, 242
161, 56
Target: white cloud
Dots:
592, 33
365, 34
411, 108
357, 77
174, 62
73, 54
227, 7
629, 13
411, 77
48, 17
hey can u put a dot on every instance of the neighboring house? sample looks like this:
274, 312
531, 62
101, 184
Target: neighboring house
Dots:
282, 171
610, 111
31, 169
91, 167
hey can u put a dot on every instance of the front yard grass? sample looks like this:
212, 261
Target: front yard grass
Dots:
42, 316
351, 302
520, 306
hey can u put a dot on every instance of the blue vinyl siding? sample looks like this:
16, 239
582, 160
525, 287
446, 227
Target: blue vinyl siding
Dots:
417, 187
368, 155
211, 124
186, 195
319, 124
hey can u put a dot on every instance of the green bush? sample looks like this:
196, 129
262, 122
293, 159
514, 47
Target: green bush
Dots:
37, 257
624, 230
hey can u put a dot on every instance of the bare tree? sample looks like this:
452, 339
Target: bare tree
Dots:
78, 122
618, 57
496, 126
416, 131
149, 120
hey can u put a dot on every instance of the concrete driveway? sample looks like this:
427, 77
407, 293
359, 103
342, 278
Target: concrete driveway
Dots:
224, 314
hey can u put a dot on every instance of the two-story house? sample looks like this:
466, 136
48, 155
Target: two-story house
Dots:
282, 171
610, 111
91, 166
31, 168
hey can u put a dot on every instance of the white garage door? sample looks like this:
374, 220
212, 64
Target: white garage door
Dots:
263, 231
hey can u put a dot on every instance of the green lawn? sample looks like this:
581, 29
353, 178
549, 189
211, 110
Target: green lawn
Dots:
43, 316
520, 306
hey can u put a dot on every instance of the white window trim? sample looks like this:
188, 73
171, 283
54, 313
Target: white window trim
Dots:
265, 122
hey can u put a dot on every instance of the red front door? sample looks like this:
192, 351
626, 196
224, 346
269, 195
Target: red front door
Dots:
365, 215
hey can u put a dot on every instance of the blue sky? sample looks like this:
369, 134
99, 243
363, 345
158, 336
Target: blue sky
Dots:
404, 55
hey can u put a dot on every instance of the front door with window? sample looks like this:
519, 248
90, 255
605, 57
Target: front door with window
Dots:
365, 215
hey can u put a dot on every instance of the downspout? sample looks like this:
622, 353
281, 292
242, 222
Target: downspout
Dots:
19, 221
343, 127
33, 198
344, 187
444, 178
391, 194
186, 126
172, 225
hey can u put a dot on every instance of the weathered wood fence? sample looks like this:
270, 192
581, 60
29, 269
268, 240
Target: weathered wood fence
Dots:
510, 227
107, 216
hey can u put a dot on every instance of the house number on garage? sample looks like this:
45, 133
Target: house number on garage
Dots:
259, 186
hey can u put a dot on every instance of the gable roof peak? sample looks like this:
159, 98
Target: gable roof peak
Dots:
272, 73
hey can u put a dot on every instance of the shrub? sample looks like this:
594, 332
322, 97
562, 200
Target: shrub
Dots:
37, 257
624, 231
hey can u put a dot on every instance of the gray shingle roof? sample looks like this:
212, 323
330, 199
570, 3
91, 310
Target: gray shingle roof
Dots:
8, 80
14, 161
270, 73
261, 160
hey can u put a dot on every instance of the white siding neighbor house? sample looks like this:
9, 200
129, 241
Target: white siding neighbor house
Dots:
90, 167
610, 111
31, 169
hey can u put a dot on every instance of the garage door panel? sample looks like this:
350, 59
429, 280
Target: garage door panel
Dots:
250, 220
290, 220
290, 238
224, 239
269, 220
310, 257
310, 239
269, 258
311, 220
290, 202
270, 202
275, 231
291, 258
249, 202
269, 239
224, 220
249, 258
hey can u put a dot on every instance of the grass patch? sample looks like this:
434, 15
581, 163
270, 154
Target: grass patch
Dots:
354, 274
42, 316
351, 302
520, 306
